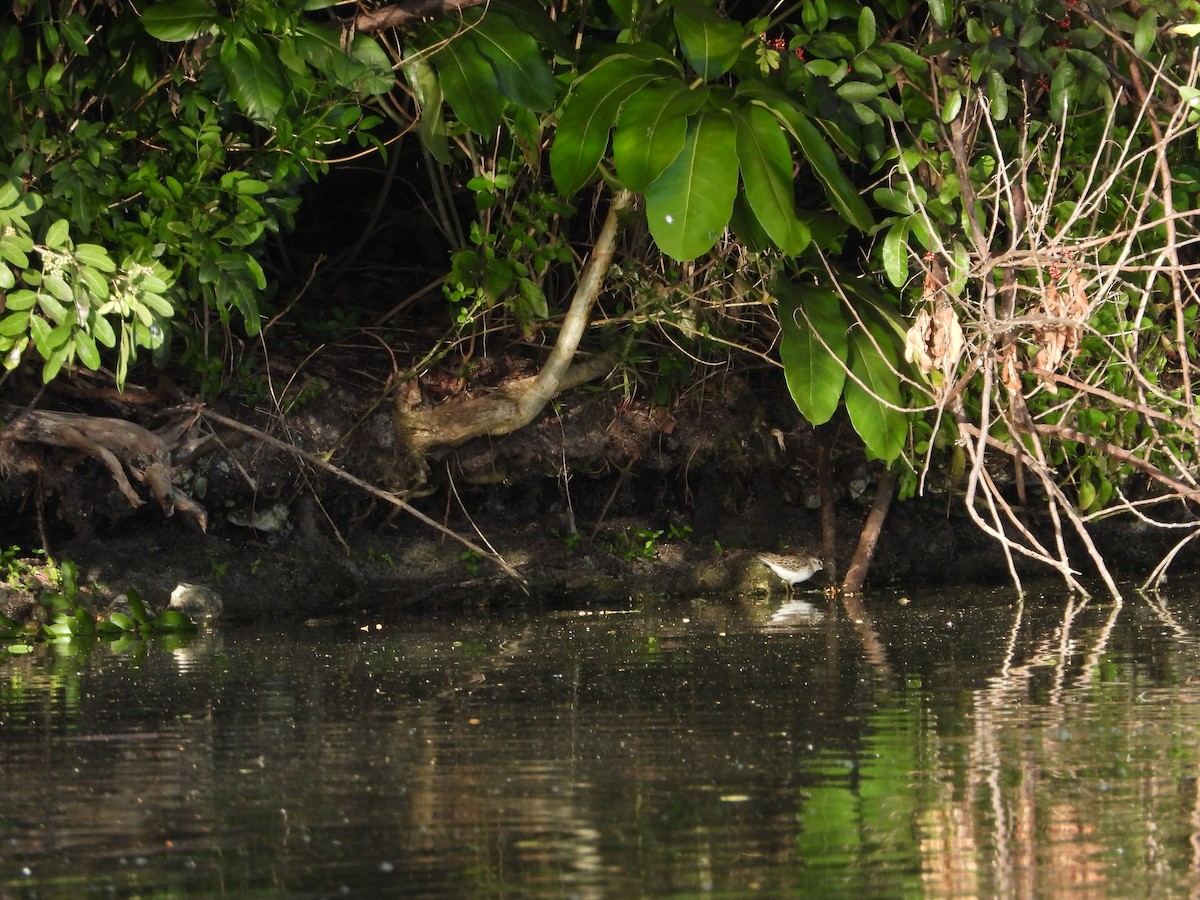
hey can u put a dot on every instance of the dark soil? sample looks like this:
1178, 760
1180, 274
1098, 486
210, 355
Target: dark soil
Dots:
605, 497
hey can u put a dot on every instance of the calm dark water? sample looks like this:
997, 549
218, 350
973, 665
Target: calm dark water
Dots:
972, 747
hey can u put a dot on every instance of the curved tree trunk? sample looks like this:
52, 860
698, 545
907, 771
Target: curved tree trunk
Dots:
856, 575
517, 404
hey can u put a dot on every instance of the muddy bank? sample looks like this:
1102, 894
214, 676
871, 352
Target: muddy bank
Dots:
290, 576
597, 501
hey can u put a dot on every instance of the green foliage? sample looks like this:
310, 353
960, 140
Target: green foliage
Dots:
642, 543
470, 560
139, 183
67, 611
515, 242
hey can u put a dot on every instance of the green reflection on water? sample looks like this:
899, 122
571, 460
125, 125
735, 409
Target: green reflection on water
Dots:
975, 748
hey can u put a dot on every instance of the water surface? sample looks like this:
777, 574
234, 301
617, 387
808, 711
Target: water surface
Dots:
971, 747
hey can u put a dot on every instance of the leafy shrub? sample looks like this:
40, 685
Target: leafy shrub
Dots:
146, 159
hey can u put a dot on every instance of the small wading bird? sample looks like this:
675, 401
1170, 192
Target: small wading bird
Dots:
792, 569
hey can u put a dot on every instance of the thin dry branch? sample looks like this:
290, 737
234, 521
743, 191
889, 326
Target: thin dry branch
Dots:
386, 496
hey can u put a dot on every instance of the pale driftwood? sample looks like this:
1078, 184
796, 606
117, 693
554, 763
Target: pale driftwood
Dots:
517, 404
117, 444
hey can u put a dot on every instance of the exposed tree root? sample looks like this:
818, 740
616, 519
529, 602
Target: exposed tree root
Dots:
116, 443
518, 403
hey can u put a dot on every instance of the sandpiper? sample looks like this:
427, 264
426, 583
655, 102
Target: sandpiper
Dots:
792, 569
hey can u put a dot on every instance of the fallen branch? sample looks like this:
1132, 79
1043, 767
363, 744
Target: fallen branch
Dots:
117, 444
371, 489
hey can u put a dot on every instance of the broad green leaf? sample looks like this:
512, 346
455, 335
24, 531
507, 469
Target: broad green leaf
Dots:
709, 41
866, 28
766, 166
58, 234
940, 10
1064, 91
11, 250
532, 300
1143, 39
427, 89
468, 81
813, 347
137, 608
122, 621
255, 77
893, 200
365, 67
379, 77
522, 73
10, 189
55, 360
997, 96
745, 225
102, 330
857, 91
895, 253
173, 620
95, 256
159, 305
689, 205
873, 394
651, 129
532, 19
582, 134
960, 269
178, 20
14, 324
842, 193
1087, 496
85, 346
58, 287
52, 307
952, 107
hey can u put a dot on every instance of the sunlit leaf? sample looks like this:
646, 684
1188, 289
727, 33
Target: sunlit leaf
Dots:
651, 129
255, 77
689, 205
85, 346
766, 166
58, 234
582, 134
178, 20
709, 41
895, 253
